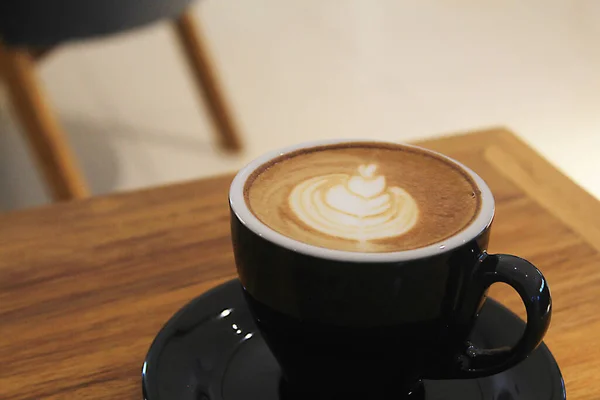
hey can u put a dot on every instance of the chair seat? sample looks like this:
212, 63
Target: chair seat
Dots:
42, 23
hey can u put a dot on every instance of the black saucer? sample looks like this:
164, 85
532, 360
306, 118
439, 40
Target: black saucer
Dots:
211, 350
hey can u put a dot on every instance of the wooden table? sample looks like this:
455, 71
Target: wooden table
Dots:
85, 286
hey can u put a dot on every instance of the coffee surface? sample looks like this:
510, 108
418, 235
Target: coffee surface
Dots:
363, 197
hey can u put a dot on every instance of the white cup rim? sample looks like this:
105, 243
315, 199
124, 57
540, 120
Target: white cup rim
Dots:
243, 213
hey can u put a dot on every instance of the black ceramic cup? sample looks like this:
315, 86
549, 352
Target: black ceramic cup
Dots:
346, 321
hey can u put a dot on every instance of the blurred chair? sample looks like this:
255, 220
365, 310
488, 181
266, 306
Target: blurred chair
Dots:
29, 29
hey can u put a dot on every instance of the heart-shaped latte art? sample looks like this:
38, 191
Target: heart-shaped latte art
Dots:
359, 207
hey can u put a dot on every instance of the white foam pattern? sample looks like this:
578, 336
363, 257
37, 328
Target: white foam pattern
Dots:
357, 207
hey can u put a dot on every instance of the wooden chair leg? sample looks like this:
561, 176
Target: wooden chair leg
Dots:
203, 70
44, 134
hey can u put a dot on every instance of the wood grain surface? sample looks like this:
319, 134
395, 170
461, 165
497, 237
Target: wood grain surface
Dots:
85, 286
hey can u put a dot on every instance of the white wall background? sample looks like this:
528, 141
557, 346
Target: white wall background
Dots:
300, 70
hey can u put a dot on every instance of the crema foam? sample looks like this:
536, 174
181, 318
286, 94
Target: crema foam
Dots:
364, 197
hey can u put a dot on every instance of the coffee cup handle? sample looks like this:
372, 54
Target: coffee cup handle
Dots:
531, 285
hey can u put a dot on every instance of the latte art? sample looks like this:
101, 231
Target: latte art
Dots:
360, 207
365, 197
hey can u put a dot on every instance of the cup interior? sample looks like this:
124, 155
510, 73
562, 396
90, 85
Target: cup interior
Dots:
242, 212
